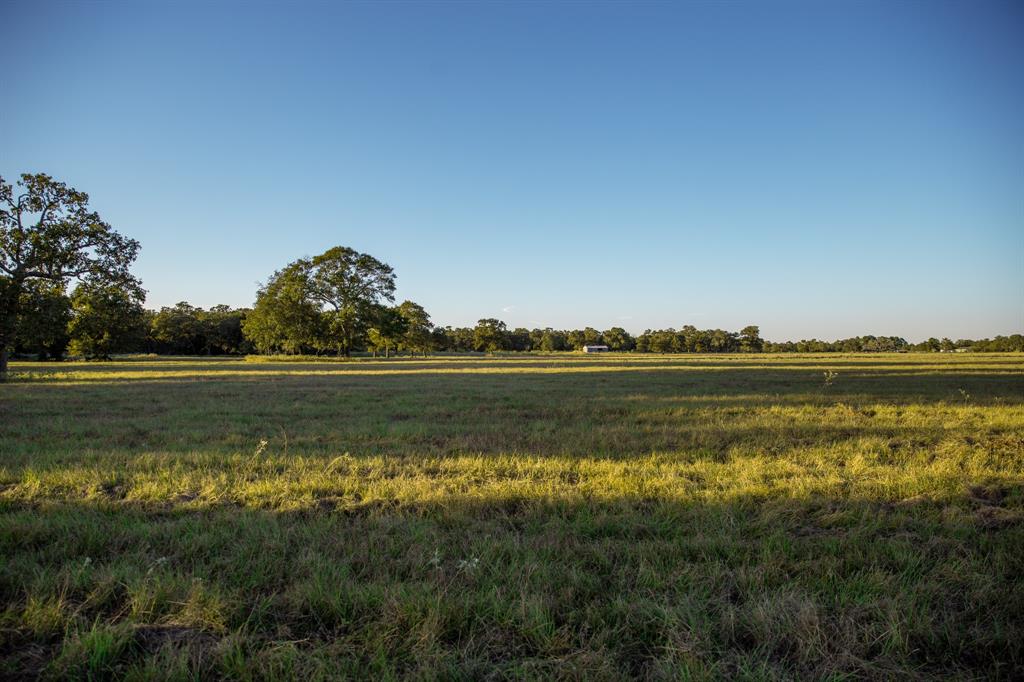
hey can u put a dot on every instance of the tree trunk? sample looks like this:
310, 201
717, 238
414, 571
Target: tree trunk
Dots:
8, 315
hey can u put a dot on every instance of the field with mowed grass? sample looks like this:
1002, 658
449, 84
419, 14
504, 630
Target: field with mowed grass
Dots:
529, 517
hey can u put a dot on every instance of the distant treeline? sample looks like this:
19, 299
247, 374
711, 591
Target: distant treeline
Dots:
55, 325
870, 344
336, 303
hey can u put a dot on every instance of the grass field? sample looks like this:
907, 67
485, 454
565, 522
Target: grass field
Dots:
660, 517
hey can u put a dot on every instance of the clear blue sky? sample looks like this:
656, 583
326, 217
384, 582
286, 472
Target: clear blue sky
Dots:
819, 168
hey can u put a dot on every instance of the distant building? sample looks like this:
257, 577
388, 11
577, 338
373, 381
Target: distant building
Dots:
595, 349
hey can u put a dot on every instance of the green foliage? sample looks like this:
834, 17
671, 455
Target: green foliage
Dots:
93, 653
222, 331
389, 328
187, 330
285, 319
551, 340
48, 233
490, 335
326, 303
687, 340
43, 316
858, 344
574, 339
750, 339
177, 330
350, 286
106, 319
1000, 344
418, 337
618, 339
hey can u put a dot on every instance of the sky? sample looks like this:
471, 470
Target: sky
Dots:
821, 169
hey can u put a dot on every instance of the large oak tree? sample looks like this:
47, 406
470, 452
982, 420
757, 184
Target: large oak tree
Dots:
349, 285
48, 232
327, 302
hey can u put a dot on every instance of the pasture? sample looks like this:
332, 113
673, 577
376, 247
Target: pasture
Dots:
532, 517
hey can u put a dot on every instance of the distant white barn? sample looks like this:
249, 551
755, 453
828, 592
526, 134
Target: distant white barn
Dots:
595, 349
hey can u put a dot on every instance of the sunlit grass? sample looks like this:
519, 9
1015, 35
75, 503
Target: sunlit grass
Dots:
538, 516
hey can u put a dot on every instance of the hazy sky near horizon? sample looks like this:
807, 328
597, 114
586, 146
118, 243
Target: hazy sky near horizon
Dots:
819, 169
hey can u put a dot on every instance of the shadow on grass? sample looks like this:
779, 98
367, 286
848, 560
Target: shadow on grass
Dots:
405, 441
520, 586
768, 382
702, 416
212, 369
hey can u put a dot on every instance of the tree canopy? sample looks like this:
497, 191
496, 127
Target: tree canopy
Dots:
48, 232
325, 303
418, 336
285, 318
43, 316
106, 319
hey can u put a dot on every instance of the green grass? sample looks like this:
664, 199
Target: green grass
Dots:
661, 517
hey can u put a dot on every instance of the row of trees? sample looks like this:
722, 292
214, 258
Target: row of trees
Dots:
491, 335
889, 344
336, 302
494, 335
65, 286
184, 329
856, 344
1000, 344
97, 322
689, 339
